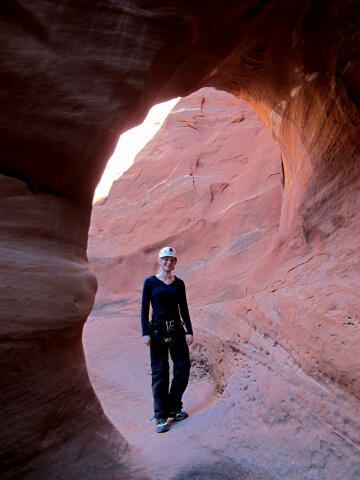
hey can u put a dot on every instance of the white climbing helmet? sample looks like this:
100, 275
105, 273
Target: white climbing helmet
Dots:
167, 252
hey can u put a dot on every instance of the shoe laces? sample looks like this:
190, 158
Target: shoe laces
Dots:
160, 421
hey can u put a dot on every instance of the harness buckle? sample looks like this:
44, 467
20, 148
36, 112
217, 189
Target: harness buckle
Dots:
170, 325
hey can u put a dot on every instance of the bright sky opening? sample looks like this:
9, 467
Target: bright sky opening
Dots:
129, 145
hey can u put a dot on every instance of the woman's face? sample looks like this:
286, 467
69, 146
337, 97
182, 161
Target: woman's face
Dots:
168, 263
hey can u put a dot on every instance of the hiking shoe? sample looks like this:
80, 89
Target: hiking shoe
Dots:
161, 425
178, 415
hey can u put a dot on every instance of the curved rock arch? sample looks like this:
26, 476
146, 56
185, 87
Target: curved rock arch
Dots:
74, 76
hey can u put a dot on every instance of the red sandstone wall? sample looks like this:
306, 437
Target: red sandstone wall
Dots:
276, 322
73, 76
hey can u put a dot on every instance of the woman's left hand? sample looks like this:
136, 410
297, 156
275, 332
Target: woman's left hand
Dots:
189, 339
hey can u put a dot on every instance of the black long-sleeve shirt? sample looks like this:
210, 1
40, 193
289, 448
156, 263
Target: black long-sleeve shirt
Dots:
166, 301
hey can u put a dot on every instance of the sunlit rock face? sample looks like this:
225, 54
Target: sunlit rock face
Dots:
74, 75
211, 183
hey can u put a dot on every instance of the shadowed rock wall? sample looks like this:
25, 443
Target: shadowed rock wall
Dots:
74, 75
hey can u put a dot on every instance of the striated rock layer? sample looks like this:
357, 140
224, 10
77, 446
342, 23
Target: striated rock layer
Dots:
74, 75
48, 292
269, 319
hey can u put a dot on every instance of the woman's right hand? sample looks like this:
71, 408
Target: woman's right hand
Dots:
146, 339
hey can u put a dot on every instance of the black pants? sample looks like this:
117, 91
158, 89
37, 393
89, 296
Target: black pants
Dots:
166, 401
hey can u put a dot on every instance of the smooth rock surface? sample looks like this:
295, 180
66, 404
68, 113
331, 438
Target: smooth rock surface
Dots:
74, 75
260, 399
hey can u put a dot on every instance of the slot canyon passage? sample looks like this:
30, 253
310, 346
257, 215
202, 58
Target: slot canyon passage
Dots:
275, 385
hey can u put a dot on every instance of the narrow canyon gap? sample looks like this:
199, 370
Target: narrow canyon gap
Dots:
210, 183
73, 77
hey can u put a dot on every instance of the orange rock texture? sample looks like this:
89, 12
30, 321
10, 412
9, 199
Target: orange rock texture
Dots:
265, 378
74, 75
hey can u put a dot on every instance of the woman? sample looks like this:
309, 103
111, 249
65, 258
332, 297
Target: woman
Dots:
165, 333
